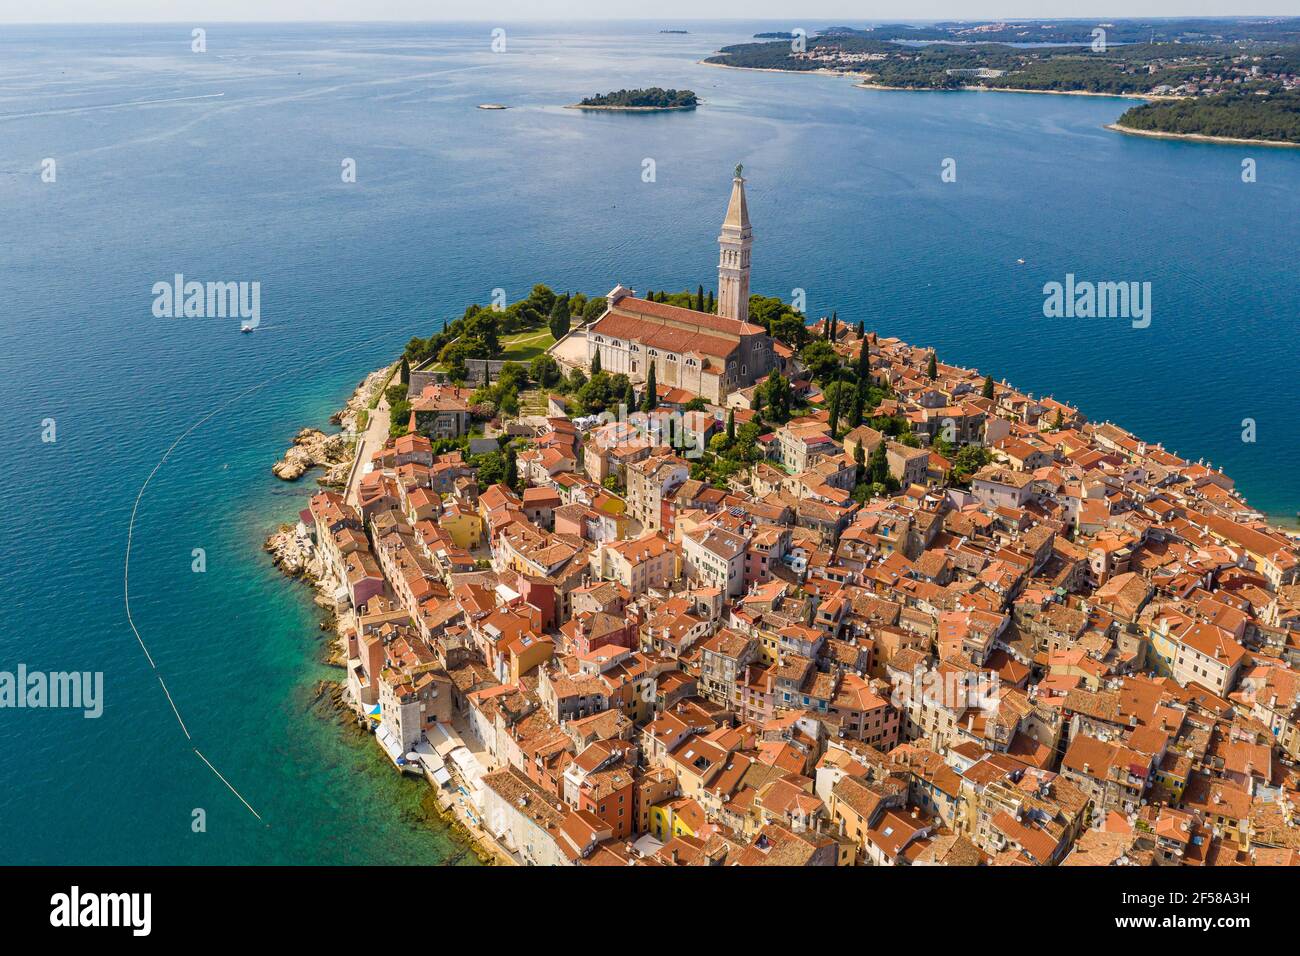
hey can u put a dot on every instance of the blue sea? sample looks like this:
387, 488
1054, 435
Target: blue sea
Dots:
226, 165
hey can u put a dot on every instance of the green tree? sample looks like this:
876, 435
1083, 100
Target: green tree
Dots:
542, 299
512, 468
779, 398
651, 400
404, 371
933, 368
482, 331
731, 425
820, 360
987, 390
878, 467
595, 363
489, 469
560, 318
699, 299
545, 371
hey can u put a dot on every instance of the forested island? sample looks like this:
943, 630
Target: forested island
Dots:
653, 98
1274, 118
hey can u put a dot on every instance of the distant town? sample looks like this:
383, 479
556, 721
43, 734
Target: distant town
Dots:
683, 579
1228, 79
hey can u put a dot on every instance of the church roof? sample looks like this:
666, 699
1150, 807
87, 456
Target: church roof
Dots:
653, 333
675, 313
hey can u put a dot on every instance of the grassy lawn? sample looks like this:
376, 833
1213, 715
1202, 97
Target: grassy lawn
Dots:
525, 346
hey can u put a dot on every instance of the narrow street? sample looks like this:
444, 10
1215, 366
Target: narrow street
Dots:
375, 435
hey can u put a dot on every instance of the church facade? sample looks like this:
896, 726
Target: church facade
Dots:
701, 353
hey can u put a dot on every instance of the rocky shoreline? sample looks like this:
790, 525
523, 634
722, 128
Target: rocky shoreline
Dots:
296, 557
313, 448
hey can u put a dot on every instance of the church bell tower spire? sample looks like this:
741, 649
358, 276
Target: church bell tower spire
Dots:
733, 255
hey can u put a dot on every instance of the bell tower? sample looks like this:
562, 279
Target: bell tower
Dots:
733, 255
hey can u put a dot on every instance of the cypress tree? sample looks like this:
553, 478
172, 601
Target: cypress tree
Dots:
560, 317
878, 470
859, 459
512, 467
651, 400
710, 304
835, 326
855, 409
864, 366
933, 368
731, 425
699, 299
595, 362
835, 413
987, 390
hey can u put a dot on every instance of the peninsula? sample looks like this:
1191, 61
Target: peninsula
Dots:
653, 99
706, 583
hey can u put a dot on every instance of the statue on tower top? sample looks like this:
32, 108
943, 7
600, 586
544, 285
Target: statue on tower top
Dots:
738, 169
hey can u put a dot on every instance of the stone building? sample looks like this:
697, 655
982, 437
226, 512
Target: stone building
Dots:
701, 353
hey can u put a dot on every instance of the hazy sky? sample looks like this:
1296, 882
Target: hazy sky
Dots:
848, 11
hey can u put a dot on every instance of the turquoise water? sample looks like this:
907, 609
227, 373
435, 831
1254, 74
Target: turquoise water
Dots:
450, 203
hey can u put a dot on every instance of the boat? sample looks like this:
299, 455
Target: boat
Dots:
245, 328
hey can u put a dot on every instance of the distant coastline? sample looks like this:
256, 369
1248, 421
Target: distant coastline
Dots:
1001, 89
865, 76
1200, 137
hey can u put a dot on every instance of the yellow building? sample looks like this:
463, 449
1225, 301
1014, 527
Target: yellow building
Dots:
680, 817
465, 527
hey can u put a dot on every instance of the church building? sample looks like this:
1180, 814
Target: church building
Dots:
705, 354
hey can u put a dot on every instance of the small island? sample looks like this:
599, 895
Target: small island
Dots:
653, 99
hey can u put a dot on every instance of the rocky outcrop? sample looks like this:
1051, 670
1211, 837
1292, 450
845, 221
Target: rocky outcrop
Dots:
312, 447
290, 556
